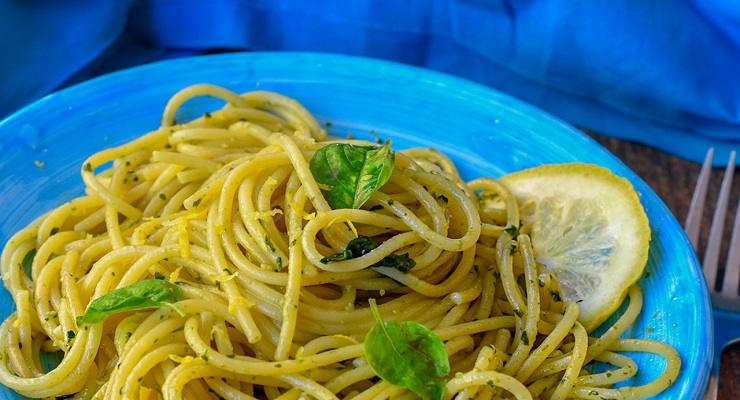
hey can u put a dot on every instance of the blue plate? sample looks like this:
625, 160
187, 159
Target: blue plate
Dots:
485, 132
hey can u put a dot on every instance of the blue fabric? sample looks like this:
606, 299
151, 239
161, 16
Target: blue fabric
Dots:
662, 72
46, 43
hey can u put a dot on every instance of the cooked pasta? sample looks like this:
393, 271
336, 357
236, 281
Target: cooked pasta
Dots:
226, 207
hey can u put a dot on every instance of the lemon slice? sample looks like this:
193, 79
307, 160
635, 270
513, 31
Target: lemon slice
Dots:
588, 228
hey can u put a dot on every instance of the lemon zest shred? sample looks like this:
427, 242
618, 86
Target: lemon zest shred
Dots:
224, 277
175, 274
239, 301
182, 360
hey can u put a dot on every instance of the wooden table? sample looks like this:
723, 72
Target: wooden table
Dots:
673, 179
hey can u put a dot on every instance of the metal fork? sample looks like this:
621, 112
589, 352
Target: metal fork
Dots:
726, 301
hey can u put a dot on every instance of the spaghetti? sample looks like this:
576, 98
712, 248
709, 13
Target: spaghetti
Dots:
227, 208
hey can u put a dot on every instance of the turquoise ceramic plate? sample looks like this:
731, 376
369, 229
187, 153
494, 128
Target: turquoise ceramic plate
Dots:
485, 132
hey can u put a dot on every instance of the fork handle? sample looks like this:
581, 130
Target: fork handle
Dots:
726, 331
712, 387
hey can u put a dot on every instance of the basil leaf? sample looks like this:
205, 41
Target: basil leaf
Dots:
362, 245
351, 174
407, 354
356, 247
28, 261
401, 262
151, 293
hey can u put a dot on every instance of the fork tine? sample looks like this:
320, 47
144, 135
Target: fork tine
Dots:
718, 224
732, 269
693, 219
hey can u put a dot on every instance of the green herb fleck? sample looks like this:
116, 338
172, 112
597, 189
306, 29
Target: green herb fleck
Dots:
511, 230
356, 247
70, 335
269, 244
525, 338
162, 196
401, 262
28, 261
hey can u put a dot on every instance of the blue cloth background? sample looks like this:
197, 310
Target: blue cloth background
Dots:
662, 72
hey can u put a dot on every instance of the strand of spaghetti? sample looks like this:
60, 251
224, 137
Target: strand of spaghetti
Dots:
168, 117
504, 247
266, 368
550, 343
151, 140
512, 209
149, 361
246, 320
455, 196
132, 355
49, 248
172, 387
51, 223
42, 294
291, 110
607, 339
485, 356
627, 369
295, 270
308, 386
493, 378
66, 376
227, 391
300, 165
568, 380
433, 209
620, 326
430, 290
15, 355
238, 169
532, 311
263, 230
670, 372
349, 378
438, 159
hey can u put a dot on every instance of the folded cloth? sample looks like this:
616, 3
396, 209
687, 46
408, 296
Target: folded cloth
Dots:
46, 43
663, 73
